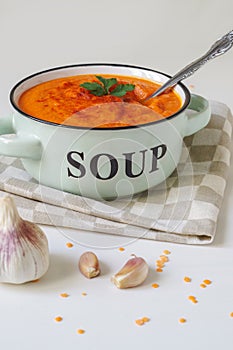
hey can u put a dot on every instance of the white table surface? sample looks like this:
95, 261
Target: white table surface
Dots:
163, 35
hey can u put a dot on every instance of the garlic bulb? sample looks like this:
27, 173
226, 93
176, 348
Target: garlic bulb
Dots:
24, 253
132, 274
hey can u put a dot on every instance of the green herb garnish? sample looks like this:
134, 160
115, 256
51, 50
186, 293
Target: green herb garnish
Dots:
103, 88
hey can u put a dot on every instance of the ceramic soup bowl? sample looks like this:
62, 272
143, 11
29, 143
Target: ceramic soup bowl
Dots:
100, 162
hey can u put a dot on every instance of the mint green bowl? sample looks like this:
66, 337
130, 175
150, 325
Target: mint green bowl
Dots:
100, 162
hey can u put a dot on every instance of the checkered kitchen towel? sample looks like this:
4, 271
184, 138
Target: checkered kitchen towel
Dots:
184, 209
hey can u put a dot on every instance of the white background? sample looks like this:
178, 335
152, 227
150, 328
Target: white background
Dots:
164, 35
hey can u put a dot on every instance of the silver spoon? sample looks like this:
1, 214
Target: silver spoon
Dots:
221, 46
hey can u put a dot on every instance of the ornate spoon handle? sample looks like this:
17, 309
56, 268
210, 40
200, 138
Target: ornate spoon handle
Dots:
221, 46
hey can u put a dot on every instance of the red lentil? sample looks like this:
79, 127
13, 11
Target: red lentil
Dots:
207, 282
159, 269
159, 263
164, 258
182, 320
166, 252
187, 279
80, 331
121, 249
142, 321
64, 295
58, 319
192, 299
139, 322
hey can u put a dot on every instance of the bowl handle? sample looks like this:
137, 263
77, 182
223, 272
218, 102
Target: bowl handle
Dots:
22, 145
198, 120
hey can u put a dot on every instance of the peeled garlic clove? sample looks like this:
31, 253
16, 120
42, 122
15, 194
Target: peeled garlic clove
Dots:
24, 253
89, 265
132, 274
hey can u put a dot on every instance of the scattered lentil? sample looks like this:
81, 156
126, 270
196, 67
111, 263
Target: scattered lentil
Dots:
231, 314
139, 322
155, 285
58, 319
80, 331
207, 282
159, 269
84, 294
64, 295
121, 249
202, 285
164, 258
182, 320
159, 263
187, 279
69, 245
192, 299
166, 252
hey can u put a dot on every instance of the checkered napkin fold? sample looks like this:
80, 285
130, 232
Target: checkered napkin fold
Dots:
183, 209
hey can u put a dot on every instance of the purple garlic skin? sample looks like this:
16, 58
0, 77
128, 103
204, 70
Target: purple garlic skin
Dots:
132, 274
24, 251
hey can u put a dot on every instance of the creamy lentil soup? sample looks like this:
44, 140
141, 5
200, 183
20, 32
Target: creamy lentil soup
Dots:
66, 101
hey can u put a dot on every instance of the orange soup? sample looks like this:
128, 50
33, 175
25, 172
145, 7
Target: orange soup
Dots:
68, 101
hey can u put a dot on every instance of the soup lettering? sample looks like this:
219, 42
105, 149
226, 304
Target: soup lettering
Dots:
66, 101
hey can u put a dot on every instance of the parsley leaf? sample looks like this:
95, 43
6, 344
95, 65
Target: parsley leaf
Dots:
102, 89
121, 89
95, 88
108, 83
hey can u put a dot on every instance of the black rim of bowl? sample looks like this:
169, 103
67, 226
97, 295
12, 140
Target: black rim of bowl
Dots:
12, 92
